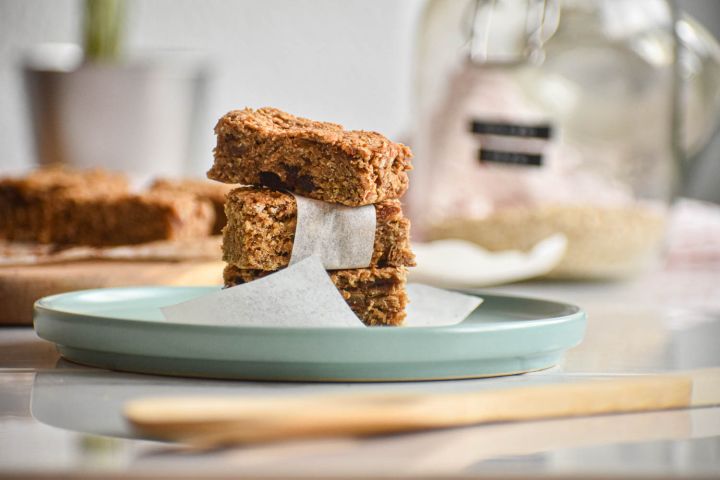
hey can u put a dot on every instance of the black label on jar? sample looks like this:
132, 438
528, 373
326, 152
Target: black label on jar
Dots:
511, 143
510, 157
511, 129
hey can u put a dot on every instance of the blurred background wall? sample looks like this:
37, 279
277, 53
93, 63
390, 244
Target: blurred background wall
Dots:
348, 61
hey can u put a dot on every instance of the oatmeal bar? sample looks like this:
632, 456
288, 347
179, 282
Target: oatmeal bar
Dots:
25, 202
126, 219
214, 192
315, 159
261, 230
376, 295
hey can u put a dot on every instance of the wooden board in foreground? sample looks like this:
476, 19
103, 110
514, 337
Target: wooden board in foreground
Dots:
21, 286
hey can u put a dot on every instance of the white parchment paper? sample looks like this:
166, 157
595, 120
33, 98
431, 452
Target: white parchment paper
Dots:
303, 295
26, 253
343, 237
435, 307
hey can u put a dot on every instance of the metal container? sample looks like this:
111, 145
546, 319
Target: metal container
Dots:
138, 116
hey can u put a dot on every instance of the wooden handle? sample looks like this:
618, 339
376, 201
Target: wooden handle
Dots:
211, 421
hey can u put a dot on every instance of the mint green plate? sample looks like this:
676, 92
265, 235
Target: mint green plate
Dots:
123, 329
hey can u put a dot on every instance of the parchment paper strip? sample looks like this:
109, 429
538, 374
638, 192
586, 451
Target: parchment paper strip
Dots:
343, 237
17, 253
301, 295
435, 307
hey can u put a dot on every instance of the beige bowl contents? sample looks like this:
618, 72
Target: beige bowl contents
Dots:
603, 241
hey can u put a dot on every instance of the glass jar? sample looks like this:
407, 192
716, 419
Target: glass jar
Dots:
574, 117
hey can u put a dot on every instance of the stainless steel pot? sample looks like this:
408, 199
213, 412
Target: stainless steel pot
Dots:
138, 116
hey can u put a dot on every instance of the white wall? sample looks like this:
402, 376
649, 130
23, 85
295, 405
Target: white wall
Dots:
347, 61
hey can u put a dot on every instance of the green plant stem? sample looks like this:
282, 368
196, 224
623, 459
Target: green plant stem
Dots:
103, 27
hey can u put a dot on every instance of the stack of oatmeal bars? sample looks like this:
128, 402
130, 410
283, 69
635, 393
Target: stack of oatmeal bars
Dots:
278, 153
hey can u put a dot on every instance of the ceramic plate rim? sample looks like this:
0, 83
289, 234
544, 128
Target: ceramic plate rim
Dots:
40, 305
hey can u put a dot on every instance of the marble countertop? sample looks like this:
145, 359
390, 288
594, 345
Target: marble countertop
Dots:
62, 419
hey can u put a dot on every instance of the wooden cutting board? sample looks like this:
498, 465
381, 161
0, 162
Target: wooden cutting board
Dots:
21, 286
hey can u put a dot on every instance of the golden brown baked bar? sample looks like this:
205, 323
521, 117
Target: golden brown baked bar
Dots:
261, 230
213, 192
25, 202
376, 295
315, 159
94, 207
127, 219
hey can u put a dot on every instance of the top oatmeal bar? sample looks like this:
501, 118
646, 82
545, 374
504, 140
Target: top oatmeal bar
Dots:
319, 160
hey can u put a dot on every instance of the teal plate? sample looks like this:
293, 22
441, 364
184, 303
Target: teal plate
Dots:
123, 329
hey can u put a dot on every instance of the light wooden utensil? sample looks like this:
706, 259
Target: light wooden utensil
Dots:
215, 421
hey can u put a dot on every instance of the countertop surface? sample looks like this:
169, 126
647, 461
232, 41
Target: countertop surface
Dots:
63, 419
